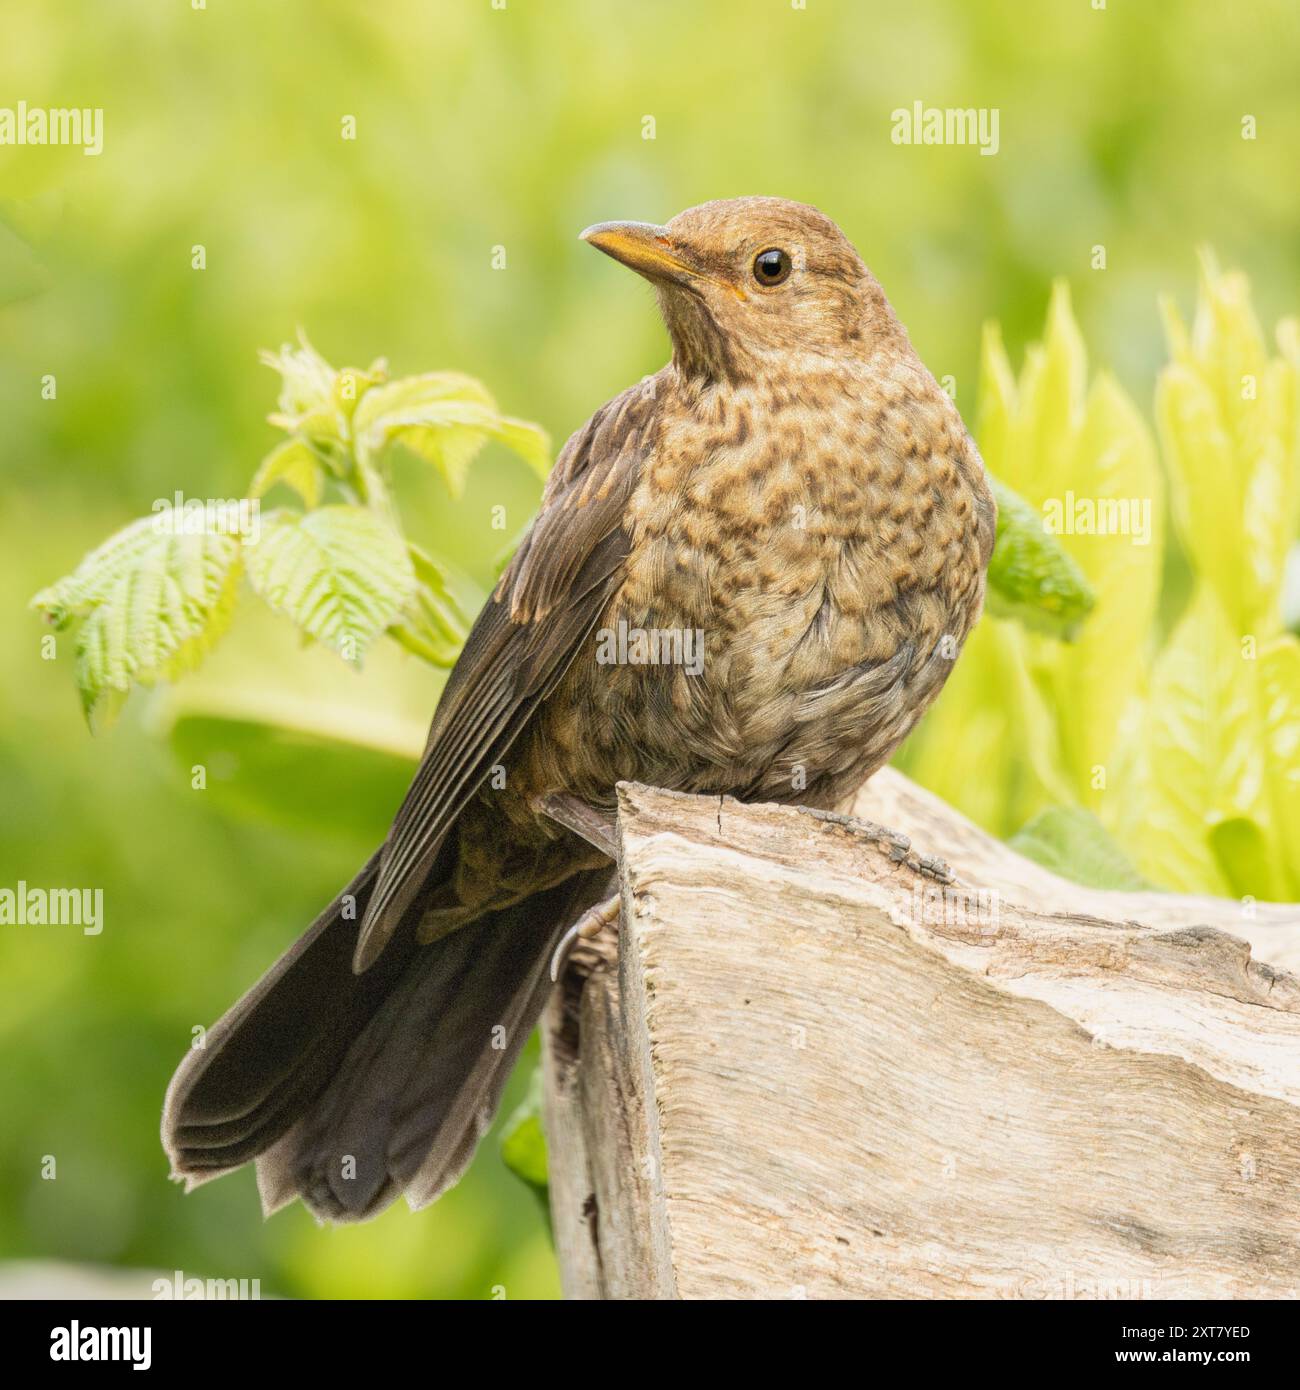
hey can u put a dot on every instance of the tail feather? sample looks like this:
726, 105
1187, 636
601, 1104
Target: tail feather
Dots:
239, 1091
350, 1089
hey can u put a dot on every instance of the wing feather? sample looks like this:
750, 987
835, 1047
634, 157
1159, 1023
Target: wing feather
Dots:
549, 600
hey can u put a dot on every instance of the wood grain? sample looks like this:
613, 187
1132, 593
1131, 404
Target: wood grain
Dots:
818, 1065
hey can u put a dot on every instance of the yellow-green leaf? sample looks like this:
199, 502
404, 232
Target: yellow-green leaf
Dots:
1279, 664
1201, 748
294, 464
1228, 424
1114, 507
341, 573
444, 418
152, 601
434, 626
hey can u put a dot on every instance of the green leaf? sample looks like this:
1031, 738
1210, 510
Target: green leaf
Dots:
1052, 397
529, 441
295, 778
444, 418
990, 701
293, 463
1084, 462
1201, 760
1228, 422
434, 626
1073, 843
1207, 487
151, 603
1279, 672
341, 573
306, 382
997, 402
289, 737
352, 383
1030, 576
523, 1143
1094, 683
316, 402
1241, 850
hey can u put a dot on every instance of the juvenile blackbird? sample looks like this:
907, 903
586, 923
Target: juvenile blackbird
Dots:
793, 491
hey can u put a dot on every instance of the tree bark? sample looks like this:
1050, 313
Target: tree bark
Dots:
818, 1062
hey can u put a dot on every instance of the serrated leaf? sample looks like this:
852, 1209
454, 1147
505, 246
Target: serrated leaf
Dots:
306, 378
93, 579
294, 464
529, 441
444, 418
152, 602
352, 383
316, 403
341, 573
434, 625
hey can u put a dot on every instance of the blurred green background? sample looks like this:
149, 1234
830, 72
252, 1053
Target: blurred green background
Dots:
476, 127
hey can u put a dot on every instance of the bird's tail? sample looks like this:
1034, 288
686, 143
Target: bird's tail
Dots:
350, 1089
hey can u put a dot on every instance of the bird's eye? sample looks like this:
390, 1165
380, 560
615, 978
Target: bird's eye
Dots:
771, 267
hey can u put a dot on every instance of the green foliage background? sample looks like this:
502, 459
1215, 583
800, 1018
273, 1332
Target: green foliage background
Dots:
476, 128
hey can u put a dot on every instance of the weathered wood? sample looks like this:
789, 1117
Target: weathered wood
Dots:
813, 1068
1273, 929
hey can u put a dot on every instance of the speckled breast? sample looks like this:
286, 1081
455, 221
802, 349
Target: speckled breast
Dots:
805, 565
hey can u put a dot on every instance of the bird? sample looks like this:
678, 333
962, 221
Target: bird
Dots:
750, 574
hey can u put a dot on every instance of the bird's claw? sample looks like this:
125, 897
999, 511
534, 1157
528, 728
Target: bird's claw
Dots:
894, 843
590, 924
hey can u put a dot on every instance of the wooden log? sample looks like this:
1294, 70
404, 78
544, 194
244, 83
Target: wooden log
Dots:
816, 1063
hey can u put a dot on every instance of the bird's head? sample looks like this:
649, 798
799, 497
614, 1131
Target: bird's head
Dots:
747, 285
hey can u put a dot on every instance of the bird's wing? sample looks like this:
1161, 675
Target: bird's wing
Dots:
559, 582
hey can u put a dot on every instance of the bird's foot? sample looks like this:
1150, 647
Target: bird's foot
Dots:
897, 845
591, 923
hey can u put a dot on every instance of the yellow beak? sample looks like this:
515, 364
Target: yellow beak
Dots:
643, 247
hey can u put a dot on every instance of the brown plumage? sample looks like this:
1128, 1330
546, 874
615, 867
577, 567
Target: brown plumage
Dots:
795, 488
